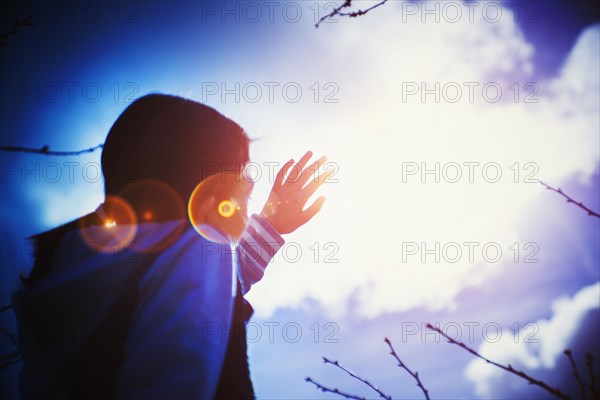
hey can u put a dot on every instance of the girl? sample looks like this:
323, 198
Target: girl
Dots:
143, 298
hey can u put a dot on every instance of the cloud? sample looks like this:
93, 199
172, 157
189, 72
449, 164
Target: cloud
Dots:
539, 345
371, 212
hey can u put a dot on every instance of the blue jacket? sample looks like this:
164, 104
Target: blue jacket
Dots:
176, 336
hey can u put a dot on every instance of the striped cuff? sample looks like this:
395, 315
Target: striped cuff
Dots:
256, 248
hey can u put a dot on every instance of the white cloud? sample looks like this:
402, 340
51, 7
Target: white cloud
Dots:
372, 130
538, 346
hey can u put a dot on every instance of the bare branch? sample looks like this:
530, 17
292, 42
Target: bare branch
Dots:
576, 373
334, 391
358, 13
15, 28
334, 12
571, 200
351, 14
589, 360
352, 374
415, 375
46, 151
555, 391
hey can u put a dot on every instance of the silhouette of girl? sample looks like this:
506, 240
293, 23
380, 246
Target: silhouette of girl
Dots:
143, 298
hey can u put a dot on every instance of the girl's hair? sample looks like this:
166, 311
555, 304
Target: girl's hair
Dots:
162, 138
171, 139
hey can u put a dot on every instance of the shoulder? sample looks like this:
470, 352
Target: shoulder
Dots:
177, 246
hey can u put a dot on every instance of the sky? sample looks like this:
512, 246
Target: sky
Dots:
439, 119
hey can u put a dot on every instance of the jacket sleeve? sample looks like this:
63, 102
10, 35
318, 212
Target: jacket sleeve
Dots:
178, 332
256, 248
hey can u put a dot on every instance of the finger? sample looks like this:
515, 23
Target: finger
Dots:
312, 187
296, 172
282, 172
308, 172
311, 211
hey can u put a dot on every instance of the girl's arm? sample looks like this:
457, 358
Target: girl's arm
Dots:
256, 248
283, 213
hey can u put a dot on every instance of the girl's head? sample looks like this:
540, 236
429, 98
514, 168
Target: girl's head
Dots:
158, 150
173, 140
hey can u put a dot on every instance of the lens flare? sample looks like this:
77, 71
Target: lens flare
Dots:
156, 202
217, 207
112, 229
226, 208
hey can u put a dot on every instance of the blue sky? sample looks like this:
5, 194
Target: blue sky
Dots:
344, 90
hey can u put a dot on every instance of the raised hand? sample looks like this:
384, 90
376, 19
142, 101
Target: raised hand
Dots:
285, 206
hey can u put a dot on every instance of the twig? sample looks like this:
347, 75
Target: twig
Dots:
6, 307
576, 373
571, 200
358, 13
15, 28
335, 390
352, 14
352, 374
589, 360
46, 151
555, 391
415, 375
334, 12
